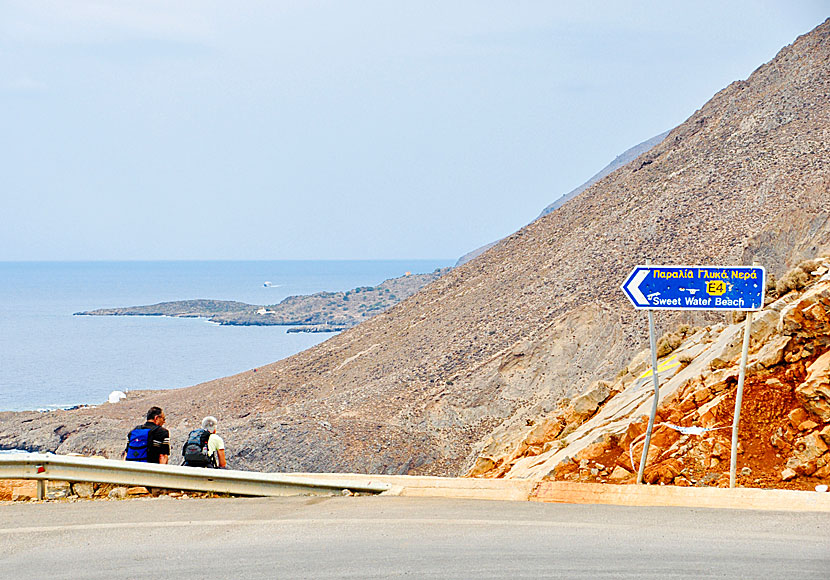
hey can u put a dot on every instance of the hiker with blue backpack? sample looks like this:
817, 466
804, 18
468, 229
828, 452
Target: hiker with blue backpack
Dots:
203, 447
150, 442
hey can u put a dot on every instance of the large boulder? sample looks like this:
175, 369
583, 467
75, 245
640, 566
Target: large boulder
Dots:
807, 453
808, 317
772, 353
814, 392
764, 325
586, 404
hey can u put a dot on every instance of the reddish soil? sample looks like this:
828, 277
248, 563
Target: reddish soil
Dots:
704, 460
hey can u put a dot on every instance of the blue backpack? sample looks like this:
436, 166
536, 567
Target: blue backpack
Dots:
139, 444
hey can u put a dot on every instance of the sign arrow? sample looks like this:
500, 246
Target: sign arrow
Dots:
632, 287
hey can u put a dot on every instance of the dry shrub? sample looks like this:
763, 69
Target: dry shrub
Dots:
795, 279
770, 286
687, 330
810, 266
685, 360
668, 343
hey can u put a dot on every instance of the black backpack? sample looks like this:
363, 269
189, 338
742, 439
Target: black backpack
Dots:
195, 449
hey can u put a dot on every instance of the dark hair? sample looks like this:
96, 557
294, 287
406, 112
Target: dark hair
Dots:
153, 413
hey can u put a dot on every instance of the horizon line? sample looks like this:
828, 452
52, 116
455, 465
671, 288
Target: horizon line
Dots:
171, 260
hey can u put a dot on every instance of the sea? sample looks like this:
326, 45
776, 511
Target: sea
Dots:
52, 359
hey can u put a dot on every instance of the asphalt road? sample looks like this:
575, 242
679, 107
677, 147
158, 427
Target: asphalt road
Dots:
393, 537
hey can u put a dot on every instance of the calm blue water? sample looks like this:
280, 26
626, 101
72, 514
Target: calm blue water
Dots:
52, 359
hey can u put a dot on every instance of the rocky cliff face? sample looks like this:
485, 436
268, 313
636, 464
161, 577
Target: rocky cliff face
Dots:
785, 414
540, 316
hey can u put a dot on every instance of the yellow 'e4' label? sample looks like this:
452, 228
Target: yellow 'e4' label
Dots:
715, 287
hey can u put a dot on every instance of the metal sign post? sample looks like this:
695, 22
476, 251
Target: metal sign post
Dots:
739, 394
653, 341
696, 288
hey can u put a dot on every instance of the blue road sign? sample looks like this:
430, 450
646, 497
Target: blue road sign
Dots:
696, 287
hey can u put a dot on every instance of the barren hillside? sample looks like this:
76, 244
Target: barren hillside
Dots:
540, 316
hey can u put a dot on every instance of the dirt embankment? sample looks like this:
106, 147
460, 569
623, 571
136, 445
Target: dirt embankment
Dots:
784, 429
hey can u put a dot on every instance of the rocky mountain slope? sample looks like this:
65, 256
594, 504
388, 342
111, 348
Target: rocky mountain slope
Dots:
622, 159
322, 311
785, 414
504, 338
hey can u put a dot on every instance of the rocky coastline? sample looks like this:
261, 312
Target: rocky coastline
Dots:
319, 312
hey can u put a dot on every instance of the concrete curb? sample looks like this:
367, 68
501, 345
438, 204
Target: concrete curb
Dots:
594, 493
672, 496
449, 487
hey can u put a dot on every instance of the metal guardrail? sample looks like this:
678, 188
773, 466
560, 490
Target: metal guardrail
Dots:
43, 467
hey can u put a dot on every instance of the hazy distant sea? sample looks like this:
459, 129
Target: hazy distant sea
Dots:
51, 359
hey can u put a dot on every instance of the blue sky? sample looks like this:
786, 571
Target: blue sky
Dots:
338, 130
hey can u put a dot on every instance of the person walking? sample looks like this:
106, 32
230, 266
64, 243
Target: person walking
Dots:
150, 442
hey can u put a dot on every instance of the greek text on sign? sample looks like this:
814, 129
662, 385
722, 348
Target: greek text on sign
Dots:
696, 287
